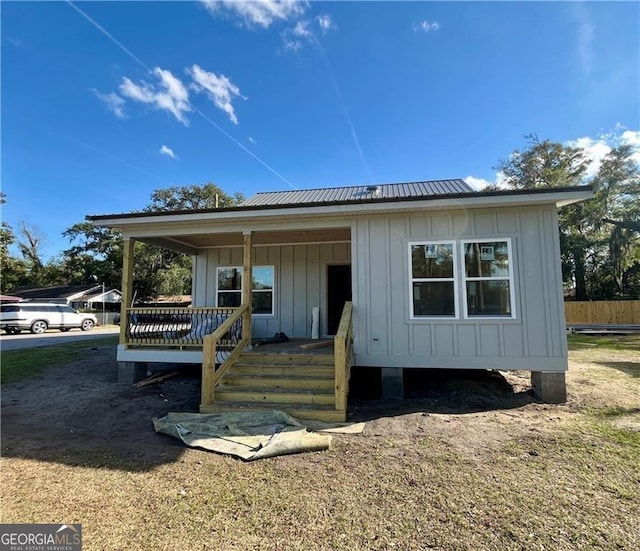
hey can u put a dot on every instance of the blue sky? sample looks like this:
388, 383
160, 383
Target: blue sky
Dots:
104, 102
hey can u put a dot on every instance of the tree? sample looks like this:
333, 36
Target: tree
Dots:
193, 197
14, 270
599, 247
616, 215
96, 253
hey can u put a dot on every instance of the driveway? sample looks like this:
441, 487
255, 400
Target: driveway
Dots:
27, 340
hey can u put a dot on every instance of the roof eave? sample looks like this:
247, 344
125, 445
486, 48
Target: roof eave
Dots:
557, 196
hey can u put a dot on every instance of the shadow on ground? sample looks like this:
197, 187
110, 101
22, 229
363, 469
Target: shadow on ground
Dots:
434, 391
628, 368
78, 414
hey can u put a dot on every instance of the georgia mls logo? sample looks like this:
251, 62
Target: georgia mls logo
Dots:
40, 537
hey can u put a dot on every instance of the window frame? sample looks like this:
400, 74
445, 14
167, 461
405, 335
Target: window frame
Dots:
454, 279
510, 278
242, 282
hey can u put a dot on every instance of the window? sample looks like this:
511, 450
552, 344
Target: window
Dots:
488, 278
229, 289
433, 286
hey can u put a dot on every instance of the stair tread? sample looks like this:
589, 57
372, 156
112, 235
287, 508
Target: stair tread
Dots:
231, 374
316, 412
274, 405
270, 390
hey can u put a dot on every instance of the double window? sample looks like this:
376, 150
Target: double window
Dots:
485, 278
229, 288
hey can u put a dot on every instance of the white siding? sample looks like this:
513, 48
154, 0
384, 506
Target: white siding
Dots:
387, 337
300, 282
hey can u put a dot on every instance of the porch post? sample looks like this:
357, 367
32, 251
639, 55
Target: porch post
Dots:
247, 287
127, 286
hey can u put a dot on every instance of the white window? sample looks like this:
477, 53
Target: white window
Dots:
433, 286
229, 288
488, 278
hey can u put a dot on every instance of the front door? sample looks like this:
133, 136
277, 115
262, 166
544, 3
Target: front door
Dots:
338, 292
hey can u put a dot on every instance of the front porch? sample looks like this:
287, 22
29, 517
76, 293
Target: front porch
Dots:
307, 378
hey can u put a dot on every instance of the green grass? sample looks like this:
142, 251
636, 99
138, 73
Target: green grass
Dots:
16, 365
613, 342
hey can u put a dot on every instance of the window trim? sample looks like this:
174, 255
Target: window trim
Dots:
510, 278
454, 279
241, 270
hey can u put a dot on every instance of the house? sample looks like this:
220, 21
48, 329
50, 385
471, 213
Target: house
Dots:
95, 299
412, 275
76, 296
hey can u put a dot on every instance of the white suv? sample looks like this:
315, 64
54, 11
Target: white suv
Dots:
37, 318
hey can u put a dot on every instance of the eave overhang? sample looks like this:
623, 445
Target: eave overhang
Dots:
307, 222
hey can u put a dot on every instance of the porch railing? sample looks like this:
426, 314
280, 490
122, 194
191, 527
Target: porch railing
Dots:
343, 356
179, 327
211, 357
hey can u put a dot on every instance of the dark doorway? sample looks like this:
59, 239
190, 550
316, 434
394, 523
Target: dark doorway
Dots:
338, 292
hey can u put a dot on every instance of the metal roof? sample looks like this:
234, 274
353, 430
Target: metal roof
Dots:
411, 190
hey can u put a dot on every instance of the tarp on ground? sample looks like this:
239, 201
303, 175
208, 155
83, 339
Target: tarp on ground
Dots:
250, 435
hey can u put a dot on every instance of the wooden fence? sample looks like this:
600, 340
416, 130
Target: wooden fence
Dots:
618, 312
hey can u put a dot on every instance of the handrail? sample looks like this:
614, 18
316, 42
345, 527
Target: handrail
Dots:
343, 356
211, 376
171, 326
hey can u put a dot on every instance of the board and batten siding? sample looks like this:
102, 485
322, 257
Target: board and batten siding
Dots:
300, 282
387, 337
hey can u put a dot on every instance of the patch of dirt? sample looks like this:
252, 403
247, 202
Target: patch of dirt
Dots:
80, 407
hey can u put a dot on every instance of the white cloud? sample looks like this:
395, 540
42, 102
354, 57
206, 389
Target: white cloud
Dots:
290, 45
257, 13
584, 35
113, 102
325, 23
301, 29
252, 140
480, 183
219, 89
14, 41
594, 150
426, 26
165, 150
169, 94
477, 183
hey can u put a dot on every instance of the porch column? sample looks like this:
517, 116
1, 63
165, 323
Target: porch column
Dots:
127, 286
247, 287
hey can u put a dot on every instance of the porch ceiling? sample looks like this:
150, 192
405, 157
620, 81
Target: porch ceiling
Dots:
193, 242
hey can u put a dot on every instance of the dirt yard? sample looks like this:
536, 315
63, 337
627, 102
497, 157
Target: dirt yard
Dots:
466, 461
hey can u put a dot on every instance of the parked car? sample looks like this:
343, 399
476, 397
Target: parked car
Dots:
37, 318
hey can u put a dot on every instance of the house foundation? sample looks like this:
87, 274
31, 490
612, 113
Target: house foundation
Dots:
392, 382
131, 372
549, 387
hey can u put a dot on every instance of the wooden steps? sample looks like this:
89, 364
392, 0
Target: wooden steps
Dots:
303, 385
317, 413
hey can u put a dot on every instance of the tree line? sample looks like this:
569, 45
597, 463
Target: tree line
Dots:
95, 254
599, 238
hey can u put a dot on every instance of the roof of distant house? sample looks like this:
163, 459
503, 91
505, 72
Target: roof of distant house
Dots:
53, 292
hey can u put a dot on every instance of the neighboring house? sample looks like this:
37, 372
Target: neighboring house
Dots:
438, 276
94, 300
76, 296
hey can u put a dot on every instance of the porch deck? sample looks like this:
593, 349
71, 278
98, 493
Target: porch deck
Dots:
292, 346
